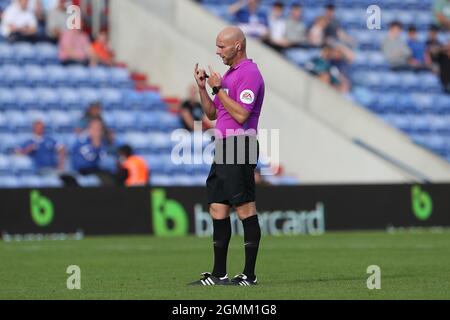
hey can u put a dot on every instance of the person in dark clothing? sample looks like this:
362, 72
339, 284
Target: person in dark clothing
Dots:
191, 110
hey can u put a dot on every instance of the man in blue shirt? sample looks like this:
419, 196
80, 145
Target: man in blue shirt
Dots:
47, 154
417, 48
249, 16
89, 149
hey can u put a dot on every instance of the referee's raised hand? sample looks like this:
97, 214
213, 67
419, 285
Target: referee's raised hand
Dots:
215, 79
200, 77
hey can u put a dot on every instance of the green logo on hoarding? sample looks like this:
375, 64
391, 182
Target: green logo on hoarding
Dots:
41, 209
422, 204
169, 216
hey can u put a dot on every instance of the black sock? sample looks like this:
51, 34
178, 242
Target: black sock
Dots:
252, 235
221, 237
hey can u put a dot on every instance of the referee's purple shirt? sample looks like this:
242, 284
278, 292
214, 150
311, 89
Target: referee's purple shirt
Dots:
245, 85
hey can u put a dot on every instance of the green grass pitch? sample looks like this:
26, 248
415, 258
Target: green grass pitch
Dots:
330, 266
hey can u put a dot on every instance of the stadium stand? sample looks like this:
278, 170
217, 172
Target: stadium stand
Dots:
35, 85
413, 102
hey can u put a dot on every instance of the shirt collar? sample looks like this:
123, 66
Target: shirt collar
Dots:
245, 61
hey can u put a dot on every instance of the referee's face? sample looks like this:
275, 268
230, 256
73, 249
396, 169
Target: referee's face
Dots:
226, 50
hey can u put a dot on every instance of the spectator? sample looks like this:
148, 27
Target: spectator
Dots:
88, 150
417, 48
133, 170
18, 23
56, 21
316, 35
48, 155
395, 48
191, 110
444, 66
277, 27
94, 112
295, 28
75, 48
433, 48
333, 30
101, 50
441, 10
250, 18
322, 68
341, 58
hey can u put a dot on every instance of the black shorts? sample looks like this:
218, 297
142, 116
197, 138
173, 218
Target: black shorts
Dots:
231, 180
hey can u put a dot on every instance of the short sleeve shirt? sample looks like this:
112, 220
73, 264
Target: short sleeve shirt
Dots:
245, 85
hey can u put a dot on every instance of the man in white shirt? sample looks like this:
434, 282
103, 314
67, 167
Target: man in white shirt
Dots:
18, 23
277, 27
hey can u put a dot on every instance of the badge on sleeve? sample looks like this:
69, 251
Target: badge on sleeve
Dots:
247, 96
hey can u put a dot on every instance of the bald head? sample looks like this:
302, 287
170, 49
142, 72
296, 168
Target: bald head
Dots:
231, 45
232, 33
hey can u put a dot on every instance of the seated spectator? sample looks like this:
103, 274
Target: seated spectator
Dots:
133, 169
37, 8
395, 49
322, 68
316, 34
75, 48
432, 49
48, 155
102, 52
417, 48
56, 21
18, 23
250, 18
342, 57
94, 112
295, 28
444, 66
441, 11
277, 28
88, 150
333, 30
191, 110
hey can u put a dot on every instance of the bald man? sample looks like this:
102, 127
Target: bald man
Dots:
238, 98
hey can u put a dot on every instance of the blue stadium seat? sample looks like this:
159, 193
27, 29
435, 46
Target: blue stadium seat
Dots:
9, 181
56, 75
47, 98
88, 95
99, 76
21, 164
6, 53
88, 181
161, 180
18, 121
24, 53
111, 98
46, 53
51, 181
160, 142
13, 75
119, 78
35, 75
5, 164
123, 119
69, 98
147, 121
138, 140
7, 99
79, 76
29, 180
61, 121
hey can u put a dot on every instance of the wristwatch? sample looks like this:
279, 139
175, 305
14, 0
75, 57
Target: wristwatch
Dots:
215, 90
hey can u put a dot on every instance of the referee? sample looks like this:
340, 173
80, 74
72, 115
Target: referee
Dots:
238, 98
